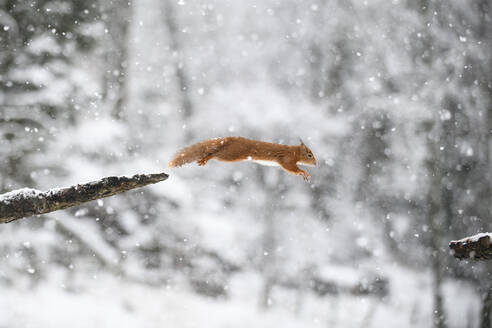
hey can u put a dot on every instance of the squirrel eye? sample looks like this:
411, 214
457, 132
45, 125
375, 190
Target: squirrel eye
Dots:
310, 155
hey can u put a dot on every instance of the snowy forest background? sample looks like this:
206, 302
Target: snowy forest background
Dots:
393, 97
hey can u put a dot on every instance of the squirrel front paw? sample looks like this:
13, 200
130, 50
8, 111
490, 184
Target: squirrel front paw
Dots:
305, 175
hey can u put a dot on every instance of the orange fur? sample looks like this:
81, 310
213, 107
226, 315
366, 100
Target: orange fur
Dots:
234, 149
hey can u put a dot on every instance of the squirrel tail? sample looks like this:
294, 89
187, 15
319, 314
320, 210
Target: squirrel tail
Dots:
196, 152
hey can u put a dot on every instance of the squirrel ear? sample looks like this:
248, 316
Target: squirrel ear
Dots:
302, 142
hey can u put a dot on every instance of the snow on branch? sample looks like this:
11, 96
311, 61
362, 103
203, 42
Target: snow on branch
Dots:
25, 202
478, 247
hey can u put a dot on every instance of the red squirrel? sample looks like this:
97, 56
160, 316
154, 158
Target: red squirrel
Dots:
235, 149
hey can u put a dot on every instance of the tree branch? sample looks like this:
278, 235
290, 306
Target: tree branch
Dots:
25, 202
478, 247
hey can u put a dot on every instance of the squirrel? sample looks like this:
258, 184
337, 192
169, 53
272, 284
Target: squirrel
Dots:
235, 149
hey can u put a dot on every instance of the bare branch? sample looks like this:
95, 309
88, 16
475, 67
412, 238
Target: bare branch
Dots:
27, 202
476, 247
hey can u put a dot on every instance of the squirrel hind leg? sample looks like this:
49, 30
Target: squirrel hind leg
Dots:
202, 161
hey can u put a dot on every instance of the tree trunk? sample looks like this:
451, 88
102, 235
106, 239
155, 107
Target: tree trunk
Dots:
269, 263
478, 247
486, 307
434, 221
438, 314
115, 89
435, 169
183, 82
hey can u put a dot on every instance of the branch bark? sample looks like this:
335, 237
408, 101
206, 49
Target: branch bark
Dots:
476, 247
26, 202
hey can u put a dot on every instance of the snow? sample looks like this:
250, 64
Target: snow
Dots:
44, 44
132, 305
22, 193
104, 302
341, 274
378, 90
474, 238
88, 234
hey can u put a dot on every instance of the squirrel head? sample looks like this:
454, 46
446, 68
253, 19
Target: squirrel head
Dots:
307, 156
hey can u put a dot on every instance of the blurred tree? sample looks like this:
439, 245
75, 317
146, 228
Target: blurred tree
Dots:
273, 187
117, 17
41, 90
183, 81
38, 40
482, 74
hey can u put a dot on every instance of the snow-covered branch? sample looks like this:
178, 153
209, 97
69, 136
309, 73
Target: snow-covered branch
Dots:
26, 202
476, 247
